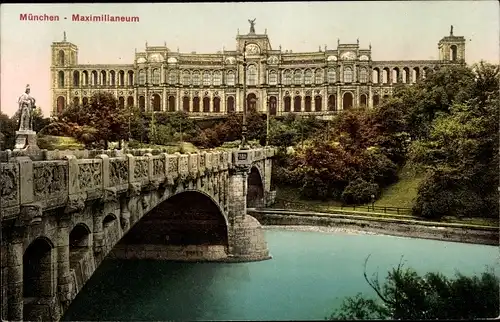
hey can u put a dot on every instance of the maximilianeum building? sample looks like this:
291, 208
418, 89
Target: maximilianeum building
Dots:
277, 81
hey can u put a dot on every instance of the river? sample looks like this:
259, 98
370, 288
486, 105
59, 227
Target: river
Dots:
307, 278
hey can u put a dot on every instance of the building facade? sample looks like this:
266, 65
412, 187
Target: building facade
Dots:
277, 81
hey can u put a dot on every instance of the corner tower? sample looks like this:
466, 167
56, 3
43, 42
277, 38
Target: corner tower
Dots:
452, 48
64, 59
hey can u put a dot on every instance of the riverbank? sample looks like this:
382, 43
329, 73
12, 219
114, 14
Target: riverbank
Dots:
314, 221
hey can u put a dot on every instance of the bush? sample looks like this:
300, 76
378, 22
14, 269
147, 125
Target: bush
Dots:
360, 191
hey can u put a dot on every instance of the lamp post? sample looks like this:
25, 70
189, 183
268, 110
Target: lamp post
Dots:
244, 125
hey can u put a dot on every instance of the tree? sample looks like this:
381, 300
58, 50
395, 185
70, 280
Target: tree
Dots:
8, 127
406, 295
96, 123
461, 154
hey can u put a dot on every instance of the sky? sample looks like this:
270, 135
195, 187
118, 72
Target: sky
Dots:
396, 31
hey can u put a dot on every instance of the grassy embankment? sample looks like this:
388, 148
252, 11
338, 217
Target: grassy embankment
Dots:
400, 195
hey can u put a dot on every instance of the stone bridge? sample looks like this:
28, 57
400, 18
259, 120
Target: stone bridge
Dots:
63, 212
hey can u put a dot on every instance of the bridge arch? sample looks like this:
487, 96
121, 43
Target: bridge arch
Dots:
255, 190
39, 278
189, 218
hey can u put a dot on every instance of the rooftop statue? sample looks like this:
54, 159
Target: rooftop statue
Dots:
252, 25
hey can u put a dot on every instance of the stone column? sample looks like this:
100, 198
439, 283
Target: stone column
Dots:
63, 268
15, 275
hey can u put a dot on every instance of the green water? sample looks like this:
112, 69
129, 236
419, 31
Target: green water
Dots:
308, 276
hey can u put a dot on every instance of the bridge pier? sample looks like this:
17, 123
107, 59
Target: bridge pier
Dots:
64, 286
15, 277
246, 237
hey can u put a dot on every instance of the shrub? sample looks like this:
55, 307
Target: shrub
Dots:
359, 191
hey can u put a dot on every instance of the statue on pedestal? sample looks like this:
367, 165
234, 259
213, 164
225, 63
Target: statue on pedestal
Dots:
26, 105
25, 136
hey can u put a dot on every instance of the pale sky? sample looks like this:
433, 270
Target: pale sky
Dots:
396, 31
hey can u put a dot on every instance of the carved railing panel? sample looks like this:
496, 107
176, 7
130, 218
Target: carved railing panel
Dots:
159, 166
90, 174
141, 168
193, 165
183, 166
173, 166
9, 184
118, 168
50, 179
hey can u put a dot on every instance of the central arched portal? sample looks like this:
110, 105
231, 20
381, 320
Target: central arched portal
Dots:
187, 226
255, 191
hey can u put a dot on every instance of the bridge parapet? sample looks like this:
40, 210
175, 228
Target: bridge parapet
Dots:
79, 176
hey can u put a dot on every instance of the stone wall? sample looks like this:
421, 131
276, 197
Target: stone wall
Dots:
486, 236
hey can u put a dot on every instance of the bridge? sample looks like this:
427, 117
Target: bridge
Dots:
63, 212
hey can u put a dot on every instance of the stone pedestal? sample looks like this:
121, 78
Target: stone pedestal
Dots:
26, 140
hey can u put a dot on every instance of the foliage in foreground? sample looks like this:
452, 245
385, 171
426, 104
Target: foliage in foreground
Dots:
406, 295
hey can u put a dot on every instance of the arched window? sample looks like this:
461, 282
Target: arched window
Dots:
61, 57
196, 78
60, 79
348, 75
186, 78
85, 101
273, 77
376, 76
332, 75
85, 78
385, 75
103, 77
216, 103
76, 101
207, 79
121, 78
308, 77
251, 102
230, 78
121, 102
76, 78
362, 100
217, 78
252, 75
172, 77
297, 77
130, 101
453, 52
185, 104
142, 103
317, 103
196, 104
130, 78
273, 103
142, 77
376, 100
347, 101
112, 78
206, 104
155, 76
94, 78
287, 77
156, 100
332, 102
61, 104
297, 104
318, 76
308, 103
230, 104
171, 103
363, 75
288, 103
395, 75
